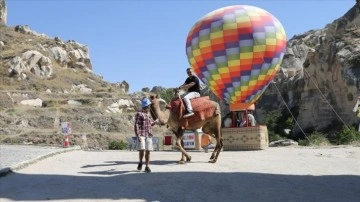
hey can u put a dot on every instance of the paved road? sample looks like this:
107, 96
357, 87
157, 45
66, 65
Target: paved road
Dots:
15, 157
275, 174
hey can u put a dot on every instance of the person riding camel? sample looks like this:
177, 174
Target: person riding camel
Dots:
192, 85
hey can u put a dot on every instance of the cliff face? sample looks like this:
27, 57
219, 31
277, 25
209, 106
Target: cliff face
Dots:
3, 12
319, 77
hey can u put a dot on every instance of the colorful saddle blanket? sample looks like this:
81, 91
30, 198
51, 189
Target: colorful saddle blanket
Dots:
202, 109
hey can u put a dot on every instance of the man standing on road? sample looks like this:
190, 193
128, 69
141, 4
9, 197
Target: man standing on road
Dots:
143, 133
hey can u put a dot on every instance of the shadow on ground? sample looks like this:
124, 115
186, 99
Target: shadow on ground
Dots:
179, 186
114, 163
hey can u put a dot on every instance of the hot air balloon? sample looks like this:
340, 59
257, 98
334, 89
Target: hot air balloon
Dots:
236, 51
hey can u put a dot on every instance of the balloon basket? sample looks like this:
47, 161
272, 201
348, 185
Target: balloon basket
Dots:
242, 106
245, 138
235, 118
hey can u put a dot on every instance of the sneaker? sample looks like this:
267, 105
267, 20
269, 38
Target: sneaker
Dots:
139, 166
188, 114
147, 169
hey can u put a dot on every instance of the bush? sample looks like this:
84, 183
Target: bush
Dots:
117, 145
315, 139
276, 122
348, 135
271, 118
275, 137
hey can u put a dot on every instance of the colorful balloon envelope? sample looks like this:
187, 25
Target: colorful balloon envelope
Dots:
236, 51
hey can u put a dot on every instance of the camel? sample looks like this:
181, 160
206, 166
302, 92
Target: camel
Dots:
211, 124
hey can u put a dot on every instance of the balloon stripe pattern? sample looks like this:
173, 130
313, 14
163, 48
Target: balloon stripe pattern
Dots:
236, 51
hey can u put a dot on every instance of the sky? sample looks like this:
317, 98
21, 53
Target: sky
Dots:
143, 41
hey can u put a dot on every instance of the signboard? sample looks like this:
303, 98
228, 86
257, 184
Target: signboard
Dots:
189, 139
66, 128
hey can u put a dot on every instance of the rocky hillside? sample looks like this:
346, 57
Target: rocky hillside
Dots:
47, 81
319, 77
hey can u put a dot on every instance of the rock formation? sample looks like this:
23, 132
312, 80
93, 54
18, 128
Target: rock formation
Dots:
3, 12
319, 78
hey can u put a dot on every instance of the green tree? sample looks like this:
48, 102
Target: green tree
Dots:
167, 95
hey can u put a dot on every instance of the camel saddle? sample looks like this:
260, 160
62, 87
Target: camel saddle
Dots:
202, 109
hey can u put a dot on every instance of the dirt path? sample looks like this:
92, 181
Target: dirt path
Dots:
275, 174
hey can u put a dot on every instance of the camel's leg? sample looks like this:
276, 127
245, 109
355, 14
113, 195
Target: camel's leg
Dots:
178, 137
219, 144
182, 160
213, 153
207, 129
188, 157
180, 143
183, 155
218, 148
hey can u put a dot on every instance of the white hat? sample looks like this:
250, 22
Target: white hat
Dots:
145, 102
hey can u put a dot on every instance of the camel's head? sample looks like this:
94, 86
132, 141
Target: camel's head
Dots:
155, 105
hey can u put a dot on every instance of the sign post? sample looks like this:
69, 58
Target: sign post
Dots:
66, 131
189, 139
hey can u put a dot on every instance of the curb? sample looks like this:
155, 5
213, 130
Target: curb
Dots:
7, 170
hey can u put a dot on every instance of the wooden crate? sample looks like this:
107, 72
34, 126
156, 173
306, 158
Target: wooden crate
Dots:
245, 138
